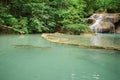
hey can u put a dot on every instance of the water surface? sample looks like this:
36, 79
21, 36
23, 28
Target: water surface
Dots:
58, 62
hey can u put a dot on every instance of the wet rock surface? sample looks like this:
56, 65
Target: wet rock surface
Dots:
104, 23
94, 41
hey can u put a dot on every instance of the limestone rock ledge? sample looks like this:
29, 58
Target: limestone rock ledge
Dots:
52, 38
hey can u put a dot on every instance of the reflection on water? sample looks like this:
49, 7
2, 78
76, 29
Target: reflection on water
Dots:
60, 62
106, 40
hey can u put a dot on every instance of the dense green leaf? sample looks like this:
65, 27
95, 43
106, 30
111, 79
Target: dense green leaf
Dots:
34, 16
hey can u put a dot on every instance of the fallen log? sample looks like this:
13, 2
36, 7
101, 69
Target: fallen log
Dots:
14, 29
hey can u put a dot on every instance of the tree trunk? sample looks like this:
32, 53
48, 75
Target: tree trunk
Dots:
14, 29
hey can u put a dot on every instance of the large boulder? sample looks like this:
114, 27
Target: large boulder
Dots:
104, 22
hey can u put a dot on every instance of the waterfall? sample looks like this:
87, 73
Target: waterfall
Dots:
114, 29
102, 23
95, 27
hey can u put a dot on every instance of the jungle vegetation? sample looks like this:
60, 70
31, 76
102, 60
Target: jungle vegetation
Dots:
38, 16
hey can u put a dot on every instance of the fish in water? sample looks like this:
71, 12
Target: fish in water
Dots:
31, 46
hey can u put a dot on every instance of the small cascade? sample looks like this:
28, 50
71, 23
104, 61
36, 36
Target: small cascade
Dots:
96, 27
96, 30
103, 23
114, 29
100, 29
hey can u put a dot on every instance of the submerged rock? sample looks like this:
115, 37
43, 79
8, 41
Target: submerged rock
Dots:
30, 46
103, 22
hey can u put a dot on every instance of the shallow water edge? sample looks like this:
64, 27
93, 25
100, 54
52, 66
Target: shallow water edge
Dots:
63, 40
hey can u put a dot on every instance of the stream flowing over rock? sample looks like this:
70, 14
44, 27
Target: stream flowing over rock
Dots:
105, 23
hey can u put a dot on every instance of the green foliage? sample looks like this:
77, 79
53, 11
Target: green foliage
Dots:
23, 22
108, 5
76, 28
36, 26
37, 16
2, 21
8, 19
90, 6
73, 13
